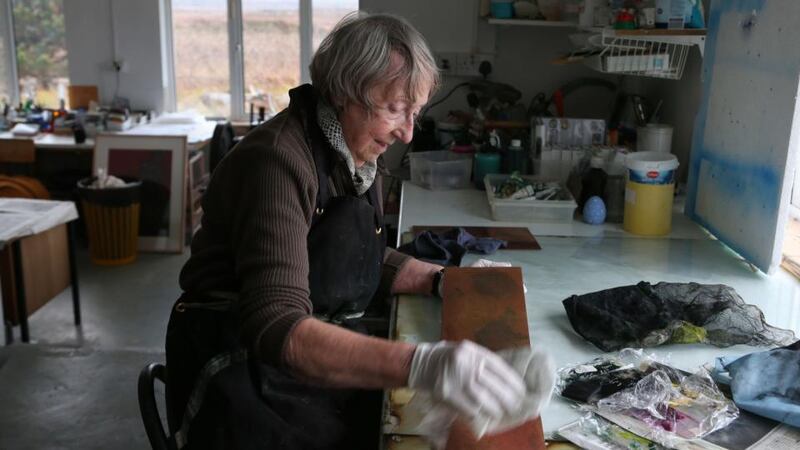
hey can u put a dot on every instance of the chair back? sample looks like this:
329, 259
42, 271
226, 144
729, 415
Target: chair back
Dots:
148, 406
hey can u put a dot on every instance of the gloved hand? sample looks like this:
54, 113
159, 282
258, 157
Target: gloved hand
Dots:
486, 263
474, 380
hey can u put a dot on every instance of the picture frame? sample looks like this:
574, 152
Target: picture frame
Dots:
159, 162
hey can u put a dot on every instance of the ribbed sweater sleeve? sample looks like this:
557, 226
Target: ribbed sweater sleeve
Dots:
269, 232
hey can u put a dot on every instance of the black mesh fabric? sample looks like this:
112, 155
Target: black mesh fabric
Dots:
646, 315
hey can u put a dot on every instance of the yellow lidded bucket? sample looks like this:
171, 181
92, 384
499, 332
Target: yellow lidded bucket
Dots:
649, 191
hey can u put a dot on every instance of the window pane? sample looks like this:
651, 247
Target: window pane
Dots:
327, 13
271, 52
5, 55
200, 39
41, 51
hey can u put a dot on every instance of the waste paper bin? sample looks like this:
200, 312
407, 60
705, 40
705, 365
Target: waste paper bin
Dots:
112, 221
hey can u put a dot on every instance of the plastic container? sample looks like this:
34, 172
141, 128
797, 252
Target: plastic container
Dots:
112, 221
441, 169
515, 158
593, 183
550, 9
502, 9
655, 137
485, 163
649, 191
559, 209
448, 133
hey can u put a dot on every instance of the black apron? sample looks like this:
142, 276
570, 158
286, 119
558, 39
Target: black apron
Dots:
233, 401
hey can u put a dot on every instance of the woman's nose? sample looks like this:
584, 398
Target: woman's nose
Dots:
405, 131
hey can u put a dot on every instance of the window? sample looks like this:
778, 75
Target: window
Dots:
271, 37
200, 52
8, 91
217, 77
41, 51
328, 13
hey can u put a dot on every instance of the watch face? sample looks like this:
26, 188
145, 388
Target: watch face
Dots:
436, 288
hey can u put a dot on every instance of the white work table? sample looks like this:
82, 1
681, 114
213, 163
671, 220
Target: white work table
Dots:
21, 218
577, 258
197, 134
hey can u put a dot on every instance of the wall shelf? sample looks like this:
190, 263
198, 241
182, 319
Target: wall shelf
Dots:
532, 23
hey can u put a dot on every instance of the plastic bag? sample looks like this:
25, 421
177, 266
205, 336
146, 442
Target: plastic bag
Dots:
592, 432
649, 398
537, 370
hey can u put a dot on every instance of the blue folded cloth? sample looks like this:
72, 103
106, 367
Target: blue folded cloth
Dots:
448, 247
765, 383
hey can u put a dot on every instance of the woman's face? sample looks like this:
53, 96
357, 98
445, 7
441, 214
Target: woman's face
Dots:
369, 135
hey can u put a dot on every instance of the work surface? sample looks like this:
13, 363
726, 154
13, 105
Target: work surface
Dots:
575, 259
196, 134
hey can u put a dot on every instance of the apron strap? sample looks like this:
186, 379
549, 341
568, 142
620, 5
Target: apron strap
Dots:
212, 367
376, 205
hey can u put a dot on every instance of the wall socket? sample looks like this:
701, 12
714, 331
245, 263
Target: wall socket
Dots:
461, 64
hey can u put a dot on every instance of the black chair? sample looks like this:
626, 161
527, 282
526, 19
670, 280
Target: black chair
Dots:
222, 141
149, 407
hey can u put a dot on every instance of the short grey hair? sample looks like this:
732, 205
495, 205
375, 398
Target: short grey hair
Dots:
355, 57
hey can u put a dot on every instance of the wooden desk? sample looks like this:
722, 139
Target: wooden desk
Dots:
22, 219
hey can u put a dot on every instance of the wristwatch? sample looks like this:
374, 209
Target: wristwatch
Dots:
436, 286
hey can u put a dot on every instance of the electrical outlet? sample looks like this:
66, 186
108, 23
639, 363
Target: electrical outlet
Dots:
468, 64
446, 62
119, 65
461, 64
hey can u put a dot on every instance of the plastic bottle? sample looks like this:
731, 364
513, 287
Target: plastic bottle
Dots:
594, 182
514, 160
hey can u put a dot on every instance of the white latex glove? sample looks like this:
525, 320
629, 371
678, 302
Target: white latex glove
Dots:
470, 378
539, 374
486, 263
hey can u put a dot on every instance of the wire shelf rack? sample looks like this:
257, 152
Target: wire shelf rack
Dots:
648, 55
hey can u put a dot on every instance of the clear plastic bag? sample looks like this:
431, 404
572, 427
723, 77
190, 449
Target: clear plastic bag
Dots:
592, 432
648, 397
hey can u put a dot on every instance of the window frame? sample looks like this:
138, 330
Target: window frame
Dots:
236, 54
7, 24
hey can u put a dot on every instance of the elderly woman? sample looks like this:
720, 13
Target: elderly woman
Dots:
264, 348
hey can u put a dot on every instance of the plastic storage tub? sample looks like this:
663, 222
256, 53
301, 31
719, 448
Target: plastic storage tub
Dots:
441, 169
559, 209
502, 9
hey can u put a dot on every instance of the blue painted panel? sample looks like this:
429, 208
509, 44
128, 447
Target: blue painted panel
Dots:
740, 146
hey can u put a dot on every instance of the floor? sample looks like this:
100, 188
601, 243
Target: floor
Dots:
75, 387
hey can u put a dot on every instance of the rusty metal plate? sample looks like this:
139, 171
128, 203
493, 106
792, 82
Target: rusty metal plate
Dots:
487, 306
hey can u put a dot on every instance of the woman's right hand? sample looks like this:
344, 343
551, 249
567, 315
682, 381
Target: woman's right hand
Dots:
467, 376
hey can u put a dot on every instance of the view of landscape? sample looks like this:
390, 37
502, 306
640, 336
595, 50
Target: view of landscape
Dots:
271, 34
200, 33
41, 46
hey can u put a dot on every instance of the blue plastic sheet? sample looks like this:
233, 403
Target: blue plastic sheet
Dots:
765, 383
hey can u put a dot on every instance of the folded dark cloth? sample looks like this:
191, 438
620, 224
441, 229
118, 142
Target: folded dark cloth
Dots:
646, 315
448, 247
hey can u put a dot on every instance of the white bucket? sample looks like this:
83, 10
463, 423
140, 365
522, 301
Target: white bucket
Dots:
655, 137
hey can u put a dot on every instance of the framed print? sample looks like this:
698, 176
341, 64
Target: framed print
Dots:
159, 162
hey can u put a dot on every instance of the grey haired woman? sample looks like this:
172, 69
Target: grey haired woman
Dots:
265, 348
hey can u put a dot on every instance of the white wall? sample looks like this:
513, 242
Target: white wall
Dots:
136, 32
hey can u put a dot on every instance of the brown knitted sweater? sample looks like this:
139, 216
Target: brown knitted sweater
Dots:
257, 215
